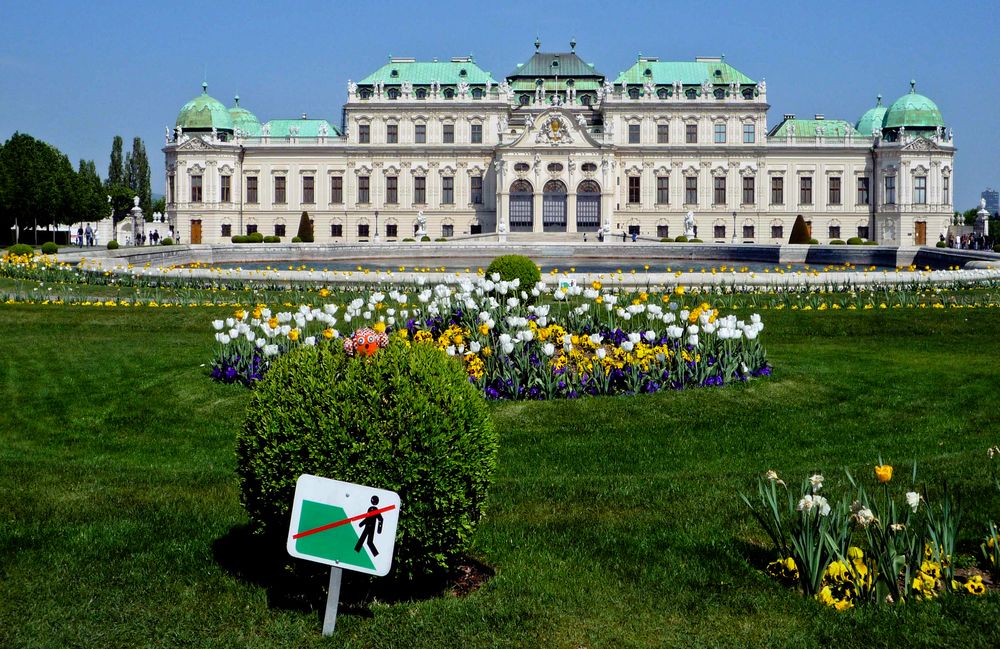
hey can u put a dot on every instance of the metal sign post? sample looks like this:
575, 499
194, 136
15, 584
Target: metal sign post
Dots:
332, 600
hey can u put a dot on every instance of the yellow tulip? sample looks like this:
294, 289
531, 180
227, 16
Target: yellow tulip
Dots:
884, 473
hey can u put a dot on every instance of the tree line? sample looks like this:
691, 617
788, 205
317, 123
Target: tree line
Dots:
39, 187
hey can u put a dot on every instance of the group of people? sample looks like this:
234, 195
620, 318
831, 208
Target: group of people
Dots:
625, 235
151, 239
86, 237
971, 242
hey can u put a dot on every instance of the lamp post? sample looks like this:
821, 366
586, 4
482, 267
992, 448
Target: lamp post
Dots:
734, 226
375, 238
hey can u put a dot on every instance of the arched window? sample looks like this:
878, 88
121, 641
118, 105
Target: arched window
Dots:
524, 100
421, 93
521, 187
449, 93
554, 187
393, 93
589, 166
365, 94
662, 93
691, 93
588, 205
477, 93
522, 212
585, 100
748, 93
719, 93
555, 167
633, 93
522, 167
588, 187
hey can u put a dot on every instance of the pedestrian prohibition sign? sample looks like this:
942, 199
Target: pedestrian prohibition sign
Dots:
344, 525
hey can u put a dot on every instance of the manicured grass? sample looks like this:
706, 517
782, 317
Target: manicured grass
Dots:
613, 522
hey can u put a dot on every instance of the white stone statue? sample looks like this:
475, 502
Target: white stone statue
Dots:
323, 131
293, 131
706, 88
135, 202
689, 224
407, 88
215, 134
502, 125
421, 224
504, 90
982, 204
763, 86
463, 89
352, 88
265, 130
178, 132
649, 88
609, 90
167, 135
581, 121
888, 230
489, 86
503, 227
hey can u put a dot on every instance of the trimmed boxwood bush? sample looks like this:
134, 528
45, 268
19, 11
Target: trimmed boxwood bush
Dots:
49, 248
21, 249
440, 239
943, 244
409, 240
695, 241
239, 238
855, 241
667, 240
836, 242
996, 247
425, 238
814, 242
272, 239
681, 239
255, 237
871, 243
167, 242
406, 419
296, 239
112, 245
305, 233
516, 266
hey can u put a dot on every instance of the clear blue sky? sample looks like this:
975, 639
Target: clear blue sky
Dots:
75, 74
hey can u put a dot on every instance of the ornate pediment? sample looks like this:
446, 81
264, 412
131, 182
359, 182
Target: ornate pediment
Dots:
922, 144
554, 129
194, 144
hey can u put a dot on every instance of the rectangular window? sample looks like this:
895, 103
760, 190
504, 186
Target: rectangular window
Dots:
749, 190
749, 134
420, 190
720, 133
171, 196
834, 232
662, 190
777, 232
391, 230
777, 190
308, 189
920, 190
633, 190
662, 133
720, 232
691, 133
420, 133
336, 189
447, 230
633, 134
862, 231
363, 189
663, 231
279, 229
225, 189
251, 189
890, 190
634, 229
945, 190
864, 188
448, 134
196, 189
364, 133
805, 190
363, 230
690, 190
835, 190
279, 189
476, 190
477, 133
447, 190
391, 133
251, 228
391, 190
336, 230
227, 230
719, 196
748, 232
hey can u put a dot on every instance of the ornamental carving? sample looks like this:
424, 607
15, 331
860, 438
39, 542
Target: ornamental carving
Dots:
194, 144
554, 131
921, 144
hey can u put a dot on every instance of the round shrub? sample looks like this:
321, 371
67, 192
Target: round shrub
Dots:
695, 241
296, 239
409, 240
855, 241
813, 242
21, 249
272, 239
666, 240
871, 243
516, 266
112, 245
239, 238
681, 239
943, 244
167, 242
406, 419
425, 238
255, 237
836, 242
49, 248
440, 239
996, 247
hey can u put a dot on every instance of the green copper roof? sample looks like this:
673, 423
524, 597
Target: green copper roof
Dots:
807, 128
203, 113
424, 72
913, 111
244, 120
872, 119
307, 127
553, 64
688, 73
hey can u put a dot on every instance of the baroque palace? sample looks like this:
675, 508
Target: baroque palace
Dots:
556, 147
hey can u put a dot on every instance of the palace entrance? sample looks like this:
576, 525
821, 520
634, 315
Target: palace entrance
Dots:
522, 206
588, 206
554, 206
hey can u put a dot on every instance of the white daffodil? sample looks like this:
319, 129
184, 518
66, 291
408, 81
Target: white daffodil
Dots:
817, 482
913, 500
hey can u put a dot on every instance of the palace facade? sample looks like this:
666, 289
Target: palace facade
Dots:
558, 147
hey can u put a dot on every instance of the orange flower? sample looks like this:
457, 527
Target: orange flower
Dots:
884, 473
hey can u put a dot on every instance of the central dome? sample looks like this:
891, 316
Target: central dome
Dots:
243, 120
913, 110
872, 119
203, 113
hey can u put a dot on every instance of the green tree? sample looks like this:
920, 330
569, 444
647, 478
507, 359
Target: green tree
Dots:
970, 216
137, 176
305, 228
39, 186
116, 170
159, 205
91, 201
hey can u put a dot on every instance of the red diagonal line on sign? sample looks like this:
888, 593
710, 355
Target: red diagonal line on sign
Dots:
330, 526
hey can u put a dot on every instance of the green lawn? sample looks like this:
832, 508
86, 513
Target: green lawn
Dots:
613, 522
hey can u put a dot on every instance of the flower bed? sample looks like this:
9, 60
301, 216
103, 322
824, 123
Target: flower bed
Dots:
567, 342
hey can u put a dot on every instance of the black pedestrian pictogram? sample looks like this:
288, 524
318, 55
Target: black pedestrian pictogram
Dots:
368, 525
